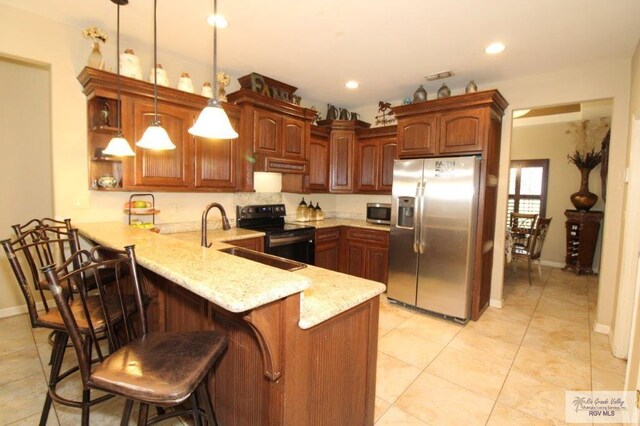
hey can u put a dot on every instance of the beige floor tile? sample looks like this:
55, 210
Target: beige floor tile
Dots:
410, 348
563, 338
439, 402
393, 315
606, 380
601, 356
540, 399
15, 334
22, 398
383, 329
473, 343
393, 377
574, 374
433, 329
381, 406
510, 332
476, 373
18, 365
34, 419
560, 309
397, 417
503, 416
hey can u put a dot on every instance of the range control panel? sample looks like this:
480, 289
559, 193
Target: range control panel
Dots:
260, 211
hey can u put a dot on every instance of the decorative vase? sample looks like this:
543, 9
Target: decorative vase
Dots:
420, 94
95, 59
583, 200
444, 92
130, 65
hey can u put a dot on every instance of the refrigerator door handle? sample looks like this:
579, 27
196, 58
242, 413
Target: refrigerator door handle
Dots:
416, 224
423, 233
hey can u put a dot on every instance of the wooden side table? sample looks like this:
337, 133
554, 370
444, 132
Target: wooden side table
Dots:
582, 235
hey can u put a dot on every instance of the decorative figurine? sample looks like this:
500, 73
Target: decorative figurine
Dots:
317, 116
406, 101
223, 81
420, 94
471, 87
104, 115
444, 92
385, 116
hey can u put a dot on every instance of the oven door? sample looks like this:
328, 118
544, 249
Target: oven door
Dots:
298, 246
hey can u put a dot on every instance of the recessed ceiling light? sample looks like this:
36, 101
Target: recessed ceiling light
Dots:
220, 20
494, 48
439, 75
352, 84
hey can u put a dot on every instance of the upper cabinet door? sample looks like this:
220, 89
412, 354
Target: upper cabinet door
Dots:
170, 168
367, 159
318, 179
293, 132
462, 130
216, 160
388, 152
417, 136
266, 132
341, 164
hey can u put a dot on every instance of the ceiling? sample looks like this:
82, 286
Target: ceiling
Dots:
388, 46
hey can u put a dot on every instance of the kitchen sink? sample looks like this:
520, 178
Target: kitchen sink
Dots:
265, 259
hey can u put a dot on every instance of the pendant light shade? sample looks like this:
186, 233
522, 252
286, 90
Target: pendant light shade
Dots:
213, 123
118, 145
155, 137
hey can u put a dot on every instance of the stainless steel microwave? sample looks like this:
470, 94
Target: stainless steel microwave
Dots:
379, 213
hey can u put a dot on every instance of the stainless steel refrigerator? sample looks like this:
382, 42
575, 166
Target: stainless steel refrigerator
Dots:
433, 224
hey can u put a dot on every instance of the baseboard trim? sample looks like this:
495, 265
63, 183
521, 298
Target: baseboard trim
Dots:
601, 328
496, 303
21, 309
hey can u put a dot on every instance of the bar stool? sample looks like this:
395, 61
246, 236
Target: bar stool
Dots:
158, 368
53, 244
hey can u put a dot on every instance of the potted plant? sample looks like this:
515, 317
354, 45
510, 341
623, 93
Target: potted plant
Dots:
586, 157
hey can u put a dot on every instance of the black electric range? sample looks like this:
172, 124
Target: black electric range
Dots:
291, 241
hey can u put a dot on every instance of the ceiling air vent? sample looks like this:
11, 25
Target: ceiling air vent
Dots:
439, 75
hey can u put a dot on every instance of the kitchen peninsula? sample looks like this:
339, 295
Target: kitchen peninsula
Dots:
302, 344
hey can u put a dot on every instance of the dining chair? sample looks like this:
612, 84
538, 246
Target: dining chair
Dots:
521, 226
533, 250
161, 369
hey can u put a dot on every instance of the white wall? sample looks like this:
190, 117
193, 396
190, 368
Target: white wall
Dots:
25, 158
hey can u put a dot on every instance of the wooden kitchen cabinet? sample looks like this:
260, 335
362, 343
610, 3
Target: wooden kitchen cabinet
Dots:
366, 253
255, 244
216, 161
318, 153
375, 151
341, 149
447, 126
167, 168
195, 165
327, 252
278, 132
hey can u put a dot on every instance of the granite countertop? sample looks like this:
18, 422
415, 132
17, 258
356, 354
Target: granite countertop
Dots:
217, 235
357, 223
231, 282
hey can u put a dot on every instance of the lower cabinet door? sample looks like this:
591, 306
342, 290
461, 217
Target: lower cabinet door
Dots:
327, 255
377, 259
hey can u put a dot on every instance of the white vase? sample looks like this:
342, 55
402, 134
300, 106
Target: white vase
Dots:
130, 65
95, 59
163, 80
185, 84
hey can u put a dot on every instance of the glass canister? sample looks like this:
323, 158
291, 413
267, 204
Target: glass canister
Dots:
312, 212
302, 212
319, 212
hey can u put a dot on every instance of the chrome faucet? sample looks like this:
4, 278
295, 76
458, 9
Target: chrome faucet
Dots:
225, 222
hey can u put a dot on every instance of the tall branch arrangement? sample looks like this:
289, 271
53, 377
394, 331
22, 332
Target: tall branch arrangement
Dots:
588, 137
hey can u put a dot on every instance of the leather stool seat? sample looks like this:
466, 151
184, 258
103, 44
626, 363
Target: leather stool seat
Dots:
162, 369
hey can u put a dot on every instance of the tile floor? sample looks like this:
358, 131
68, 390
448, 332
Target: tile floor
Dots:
511, 367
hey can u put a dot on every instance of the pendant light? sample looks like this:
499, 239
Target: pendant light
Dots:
155, 137
118, 145
213, 123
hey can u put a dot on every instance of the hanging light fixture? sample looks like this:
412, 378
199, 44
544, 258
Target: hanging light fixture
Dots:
155, 137
213, 123
118, 145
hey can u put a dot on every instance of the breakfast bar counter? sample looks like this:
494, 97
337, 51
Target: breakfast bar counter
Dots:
302, 344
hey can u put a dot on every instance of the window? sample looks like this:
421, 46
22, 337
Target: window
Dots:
528, 186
